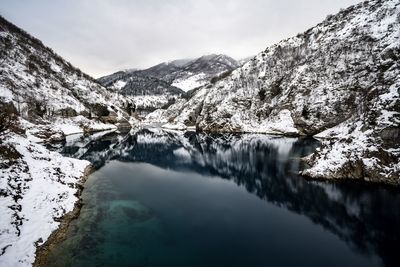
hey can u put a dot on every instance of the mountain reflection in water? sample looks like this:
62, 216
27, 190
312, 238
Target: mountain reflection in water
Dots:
366, 217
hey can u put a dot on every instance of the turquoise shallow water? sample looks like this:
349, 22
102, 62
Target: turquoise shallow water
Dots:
173, 199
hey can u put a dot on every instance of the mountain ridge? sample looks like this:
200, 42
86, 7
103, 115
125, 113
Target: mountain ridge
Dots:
176, 72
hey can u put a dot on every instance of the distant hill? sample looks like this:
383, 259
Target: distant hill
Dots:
173, 78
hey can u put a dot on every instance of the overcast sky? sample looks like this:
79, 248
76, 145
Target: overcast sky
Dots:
102, 37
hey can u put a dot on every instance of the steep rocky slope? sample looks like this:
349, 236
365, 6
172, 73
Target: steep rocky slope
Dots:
339, 80
43, 86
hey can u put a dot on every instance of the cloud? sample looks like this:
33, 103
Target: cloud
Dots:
101, 37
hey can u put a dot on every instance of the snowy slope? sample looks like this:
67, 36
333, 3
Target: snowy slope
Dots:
199, 72
36, 79
343, 73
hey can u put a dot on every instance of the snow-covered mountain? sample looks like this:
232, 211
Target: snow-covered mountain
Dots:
339, 80
200, 71
34, 77
162, 84
185, 74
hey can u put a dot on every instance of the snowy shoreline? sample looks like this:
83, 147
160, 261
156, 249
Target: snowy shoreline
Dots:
39, 195
58, 234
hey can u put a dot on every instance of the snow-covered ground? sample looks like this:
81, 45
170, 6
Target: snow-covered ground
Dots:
80, 124
37, 188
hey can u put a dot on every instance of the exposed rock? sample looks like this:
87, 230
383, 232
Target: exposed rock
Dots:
390, 135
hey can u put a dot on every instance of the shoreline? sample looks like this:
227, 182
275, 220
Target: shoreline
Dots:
59, 234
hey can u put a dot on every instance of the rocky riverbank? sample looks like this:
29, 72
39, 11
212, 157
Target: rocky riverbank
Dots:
39, 194
59, 234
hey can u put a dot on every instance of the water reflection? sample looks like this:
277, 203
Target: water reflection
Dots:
366, 217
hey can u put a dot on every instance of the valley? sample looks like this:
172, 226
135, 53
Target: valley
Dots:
314, 115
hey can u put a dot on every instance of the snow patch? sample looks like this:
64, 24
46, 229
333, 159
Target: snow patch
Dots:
192, 82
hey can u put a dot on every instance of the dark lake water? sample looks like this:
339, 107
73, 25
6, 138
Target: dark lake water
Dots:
185, 199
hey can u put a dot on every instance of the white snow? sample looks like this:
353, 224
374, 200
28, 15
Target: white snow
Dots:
55, 67
45, 180
281, 124
314, 79
79, 124
191, 82
119, 84
69, 129
6, 94
149, 101
40, 187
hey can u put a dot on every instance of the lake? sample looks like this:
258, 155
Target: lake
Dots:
164, 198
